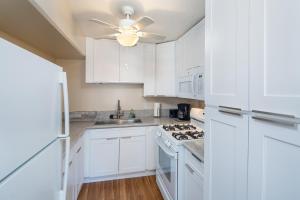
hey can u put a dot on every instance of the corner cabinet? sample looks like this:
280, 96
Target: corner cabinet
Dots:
76, 170
165, 69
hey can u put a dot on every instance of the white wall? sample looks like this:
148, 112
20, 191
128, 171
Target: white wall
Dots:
103, 97
59, 14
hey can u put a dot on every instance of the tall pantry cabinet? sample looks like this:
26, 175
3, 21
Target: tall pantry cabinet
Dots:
252, 145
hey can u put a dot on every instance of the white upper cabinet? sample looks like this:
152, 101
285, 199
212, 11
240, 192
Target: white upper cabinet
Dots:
190, 49
165, 69
226, 156
149, 70
131, 64
226, 59
180, 68
103, 61
108, 62
274, 56
194, 46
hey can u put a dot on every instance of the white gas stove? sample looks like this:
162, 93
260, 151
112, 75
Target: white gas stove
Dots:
170, 138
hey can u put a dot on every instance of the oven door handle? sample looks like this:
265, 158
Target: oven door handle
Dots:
166, 149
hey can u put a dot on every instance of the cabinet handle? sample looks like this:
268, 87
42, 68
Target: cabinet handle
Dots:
197, 158
230, 110
70, 163
129, 137
189, 168
78, 150
112, 138
288, 120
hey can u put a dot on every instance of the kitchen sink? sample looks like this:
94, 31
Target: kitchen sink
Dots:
118, 121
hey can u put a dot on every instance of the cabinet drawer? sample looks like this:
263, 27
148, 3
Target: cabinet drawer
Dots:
115, 132
196, 163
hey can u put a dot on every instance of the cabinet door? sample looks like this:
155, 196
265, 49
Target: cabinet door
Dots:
151, 147
106, 61
226, 59
194, 44
180, 69
165, 69
78, 162
149, 69
226, 154
193, 183
103, 157
274, 161
131, 64
71, 182
274, 56
132, 154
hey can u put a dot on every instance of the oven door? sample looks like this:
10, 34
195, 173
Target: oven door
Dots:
167, 167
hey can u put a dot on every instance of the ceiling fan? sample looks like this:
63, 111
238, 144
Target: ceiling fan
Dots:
129, 31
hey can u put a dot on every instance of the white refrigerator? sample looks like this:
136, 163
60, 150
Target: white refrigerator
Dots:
34, 148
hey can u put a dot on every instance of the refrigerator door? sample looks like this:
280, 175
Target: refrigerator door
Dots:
30, 105
39, 178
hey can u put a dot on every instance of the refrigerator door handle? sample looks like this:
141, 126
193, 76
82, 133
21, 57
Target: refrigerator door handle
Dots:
64, 84
63, 191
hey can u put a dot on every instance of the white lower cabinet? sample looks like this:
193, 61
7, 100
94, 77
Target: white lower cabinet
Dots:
76, 171
193, 178
151, 150
274, 161
103, 156
115, 151
226, 156
132, 154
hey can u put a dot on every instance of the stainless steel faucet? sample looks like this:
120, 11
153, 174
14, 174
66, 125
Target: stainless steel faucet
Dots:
120, 113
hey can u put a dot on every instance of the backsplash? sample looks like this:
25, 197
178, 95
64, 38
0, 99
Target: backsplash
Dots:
102, 115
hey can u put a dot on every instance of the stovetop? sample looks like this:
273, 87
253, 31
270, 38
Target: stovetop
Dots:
179, 133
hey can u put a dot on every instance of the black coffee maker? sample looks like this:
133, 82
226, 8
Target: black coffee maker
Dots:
184, 111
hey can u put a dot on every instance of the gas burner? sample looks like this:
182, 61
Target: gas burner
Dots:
180, 136
169, 127
195, 134
182, 127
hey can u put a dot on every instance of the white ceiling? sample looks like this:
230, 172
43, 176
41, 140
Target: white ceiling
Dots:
172, 17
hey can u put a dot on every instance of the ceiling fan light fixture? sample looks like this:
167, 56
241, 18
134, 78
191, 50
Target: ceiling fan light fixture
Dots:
128, 38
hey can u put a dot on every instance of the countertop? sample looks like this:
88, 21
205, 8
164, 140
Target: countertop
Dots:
77, 128
196, 148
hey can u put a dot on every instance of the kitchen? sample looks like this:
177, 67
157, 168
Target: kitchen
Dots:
138, 99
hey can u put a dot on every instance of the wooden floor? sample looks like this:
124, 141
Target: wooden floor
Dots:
143, 188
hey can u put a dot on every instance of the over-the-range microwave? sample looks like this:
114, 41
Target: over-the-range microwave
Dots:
191, 86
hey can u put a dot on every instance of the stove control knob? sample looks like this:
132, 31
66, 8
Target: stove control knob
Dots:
158, 133
168, 143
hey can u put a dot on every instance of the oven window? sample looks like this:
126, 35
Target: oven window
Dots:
165, 164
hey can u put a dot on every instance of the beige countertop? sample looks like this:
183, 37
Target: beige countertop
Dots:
196, 148
77, 128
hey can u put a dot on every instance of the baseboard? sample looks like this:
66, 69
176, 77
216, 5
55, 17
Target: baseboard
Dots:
120, 176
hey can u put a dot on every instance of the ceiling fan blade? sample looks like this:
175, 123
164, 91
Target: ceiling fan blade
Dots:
143, 22
151, 36
104, 23
108, 36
